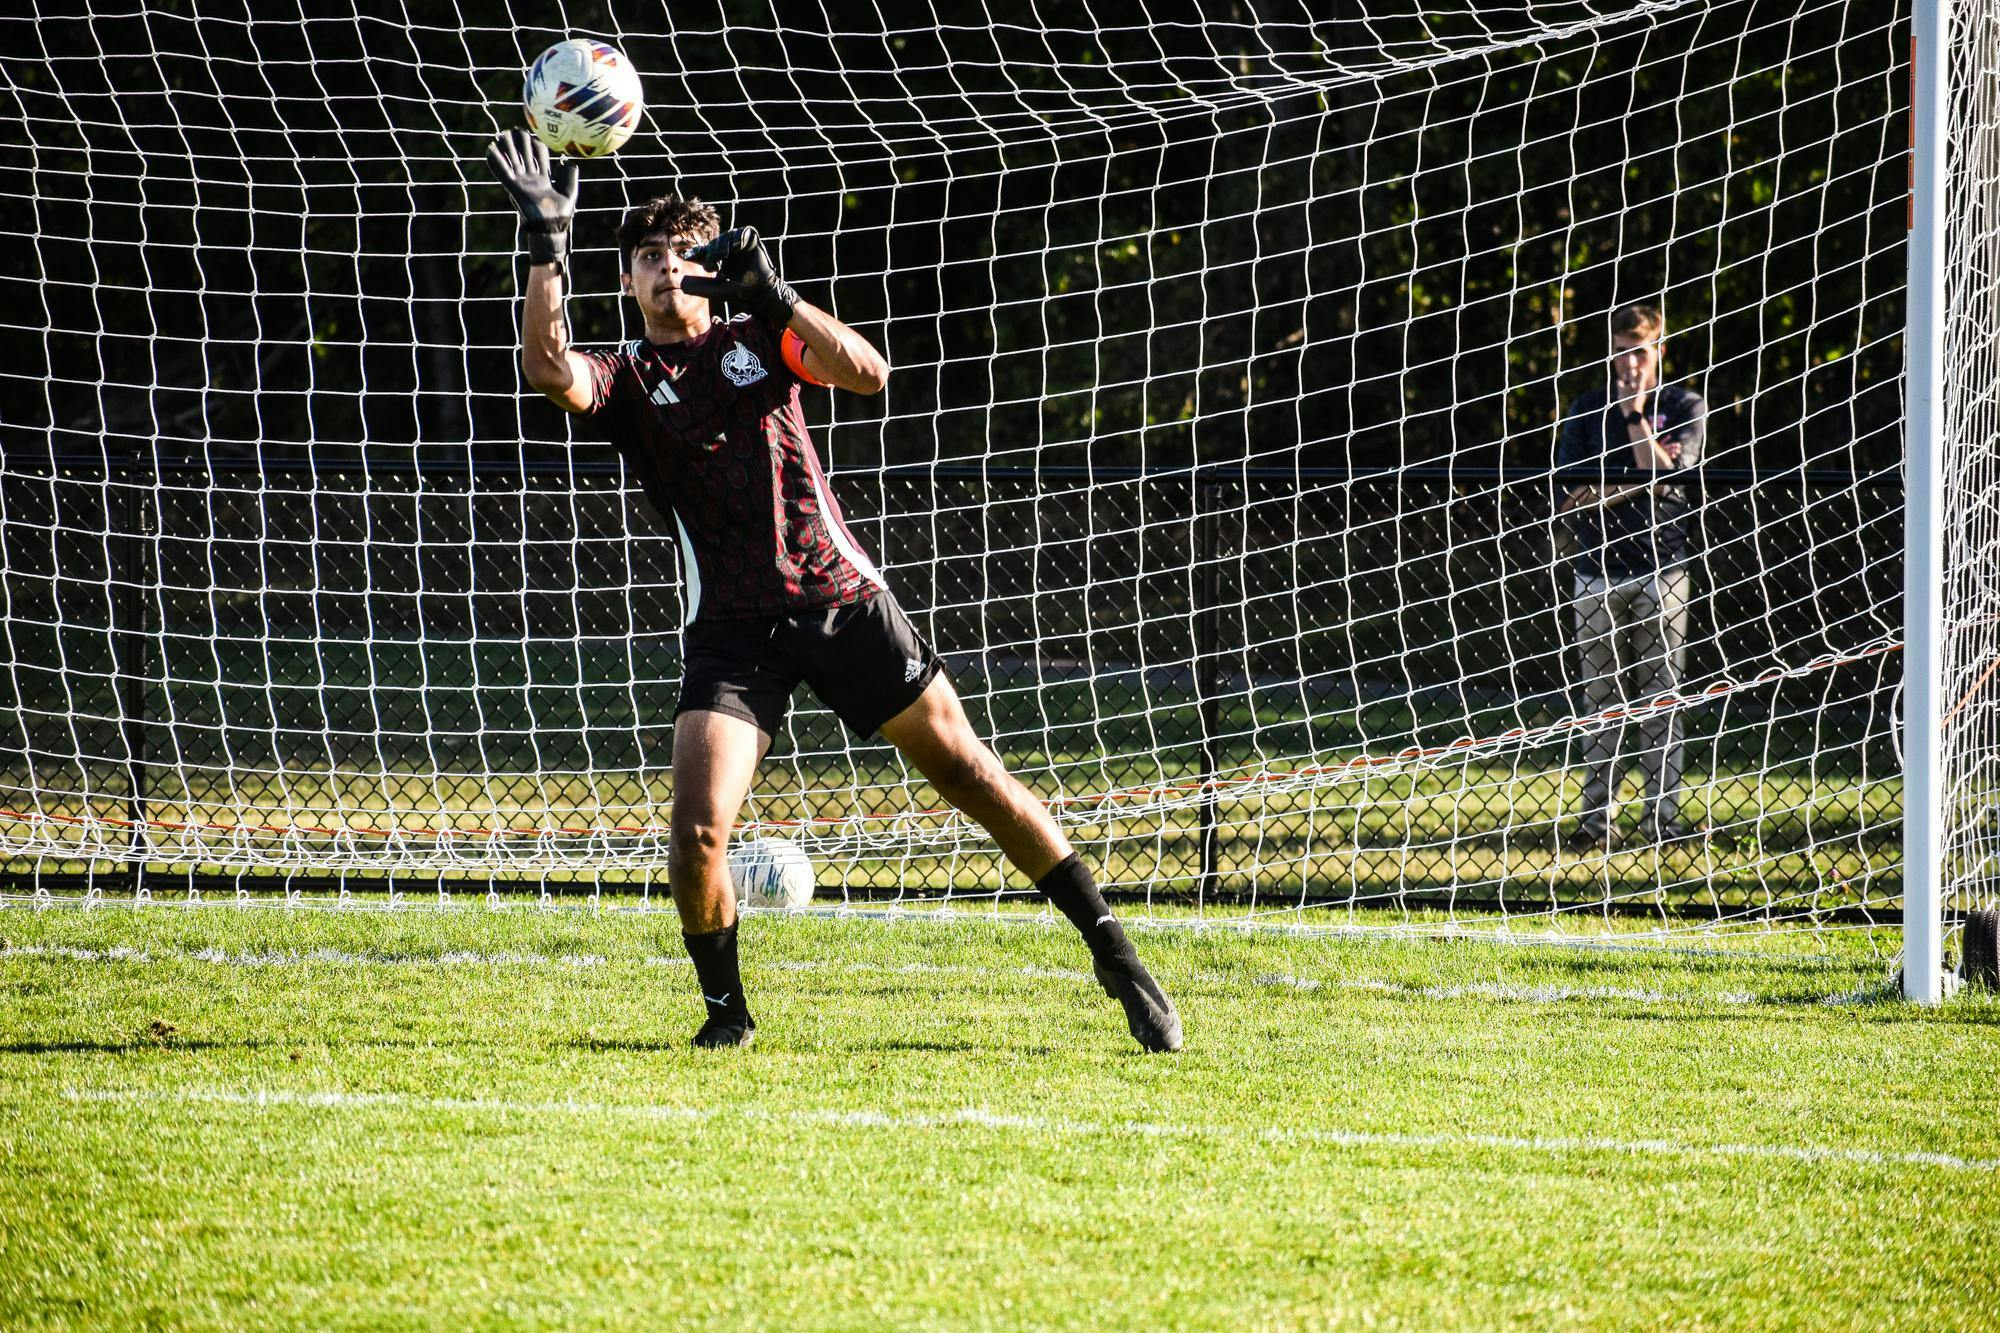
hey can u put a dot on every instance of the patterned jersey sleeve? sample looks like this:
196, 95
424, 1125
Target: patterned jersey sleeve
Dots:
783, 352
612, 377
792, 351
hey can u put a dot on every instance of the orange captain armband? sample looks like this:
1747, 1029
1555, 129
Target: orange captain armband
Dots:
793, 349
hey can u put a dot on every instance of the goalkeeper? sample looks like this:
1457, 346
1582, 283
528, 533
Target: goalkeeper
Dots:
706, 414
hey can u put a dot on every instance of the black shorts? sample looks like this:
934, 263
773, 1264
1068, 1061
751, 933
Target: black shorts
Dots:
864, 660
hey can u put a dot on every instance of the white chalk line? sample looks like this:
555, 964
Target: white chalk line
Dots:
976, 1118
1499, 992
473, 959
119, 953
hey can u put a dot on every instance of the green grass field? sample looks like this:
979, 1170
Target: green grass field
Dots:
252, 1118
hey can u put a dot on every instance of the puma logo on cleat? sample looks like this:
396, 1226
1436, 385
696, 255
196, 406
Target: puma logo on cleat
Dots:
913, 668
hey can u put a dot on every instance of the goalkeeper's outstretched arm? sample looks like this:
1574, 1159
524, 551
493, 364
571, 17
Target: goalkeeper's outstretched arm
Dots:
835, 354
547, 363
546, 196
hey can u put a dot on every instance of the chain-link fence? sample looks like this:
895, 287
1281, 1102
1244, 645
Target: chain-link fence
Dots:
1220, 675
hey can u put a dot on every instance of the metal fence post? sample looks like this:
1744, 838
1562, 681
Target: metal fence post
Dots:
1208, 673
133, 662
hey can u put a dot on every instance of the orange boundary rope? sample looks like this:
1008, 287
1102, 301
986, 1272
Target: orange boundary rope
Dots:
1359, 764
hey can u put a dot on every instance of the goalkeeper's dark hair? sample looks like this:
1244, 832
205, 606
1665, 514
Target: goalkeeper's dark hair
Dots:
668, 215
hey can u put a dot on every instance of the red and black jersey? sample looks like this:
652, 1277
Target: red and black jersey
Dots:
713, 429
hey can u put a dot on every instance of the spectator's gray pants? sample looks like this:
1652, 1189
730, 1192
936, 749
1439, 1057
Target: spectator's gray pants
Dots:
1630, 637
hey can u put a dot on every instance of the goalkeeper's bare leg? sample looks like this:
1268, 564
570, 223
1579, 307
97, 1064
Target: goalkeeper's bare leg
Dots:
715, 759
935, 735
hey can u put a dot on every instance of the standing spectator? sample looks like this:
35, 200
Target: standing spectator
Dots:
1632, 578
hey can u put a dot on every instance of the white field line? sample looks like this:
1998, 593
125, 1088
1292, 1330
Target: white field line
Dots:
975, 1118
1503, 992
1654, 942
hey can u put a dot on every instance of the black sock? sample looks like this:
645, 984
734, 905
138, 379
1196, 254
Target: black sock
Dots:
1073, 890
714, 956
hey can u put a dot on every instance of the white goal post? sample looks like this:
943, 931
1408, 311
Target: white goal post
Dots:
1240, 455
1952, 719
1923, 603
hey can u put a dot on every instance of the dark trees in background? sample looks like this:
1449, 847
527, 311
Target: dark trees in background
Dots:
245, 237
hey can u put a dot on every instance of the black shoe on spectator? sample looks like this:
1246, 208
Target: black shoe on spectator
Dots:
1671, 830
1587, 838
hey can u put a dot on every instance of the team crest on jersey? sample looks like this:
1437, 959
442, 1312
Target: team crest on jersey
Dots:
742, 366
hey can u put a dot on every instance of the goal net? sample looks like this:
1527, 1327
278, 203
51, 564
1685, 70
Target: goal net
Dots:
1221, 457
1962, 466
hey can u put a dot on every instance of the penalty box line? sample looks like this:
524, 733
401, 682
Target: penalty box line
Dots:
975, 1118
1498, 991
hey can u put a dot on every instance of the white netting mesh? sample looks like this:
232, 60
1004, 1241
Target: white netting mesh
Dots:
1217, 458
1969, 462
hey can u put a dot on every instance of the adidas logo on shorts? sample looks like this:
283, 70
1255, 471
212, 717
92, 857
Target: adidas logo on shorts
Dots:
913, 668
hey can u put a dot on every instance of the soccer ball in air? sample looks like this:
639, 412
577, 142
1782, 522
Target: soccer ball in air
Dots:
771, 872
583, 98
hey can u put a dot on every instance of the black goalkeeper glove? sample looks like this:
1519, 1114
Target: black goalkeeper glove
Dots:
744, 277
547, 200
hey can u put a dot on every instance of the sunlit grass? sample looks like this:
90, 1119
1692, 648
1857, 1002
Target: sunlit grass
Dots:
308, 1118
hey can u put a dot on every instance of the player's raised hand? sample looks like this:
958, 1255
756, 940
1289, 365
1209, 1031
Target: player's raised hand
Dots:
546, 198
744, 276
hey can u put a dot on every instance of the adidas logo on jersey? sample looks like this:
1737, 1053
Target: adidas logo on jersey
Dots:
742, 366
665, 393
912, 668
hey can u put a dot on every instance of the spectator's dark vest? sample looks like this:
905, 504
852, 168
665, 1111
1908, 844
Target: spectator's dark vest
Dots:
1646, 532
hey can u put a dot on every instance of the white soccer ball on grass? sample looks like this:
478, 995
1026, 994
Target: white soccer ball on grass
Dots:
583, 98
772, 873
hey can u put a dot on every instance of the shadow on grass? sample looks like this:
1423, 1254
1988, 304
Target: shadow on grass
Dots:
633, 1045
134, 1046
904, 1044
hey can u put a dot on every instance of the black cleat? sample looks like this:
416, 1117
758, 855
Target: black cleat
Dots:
1148, 1012
724, 1030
